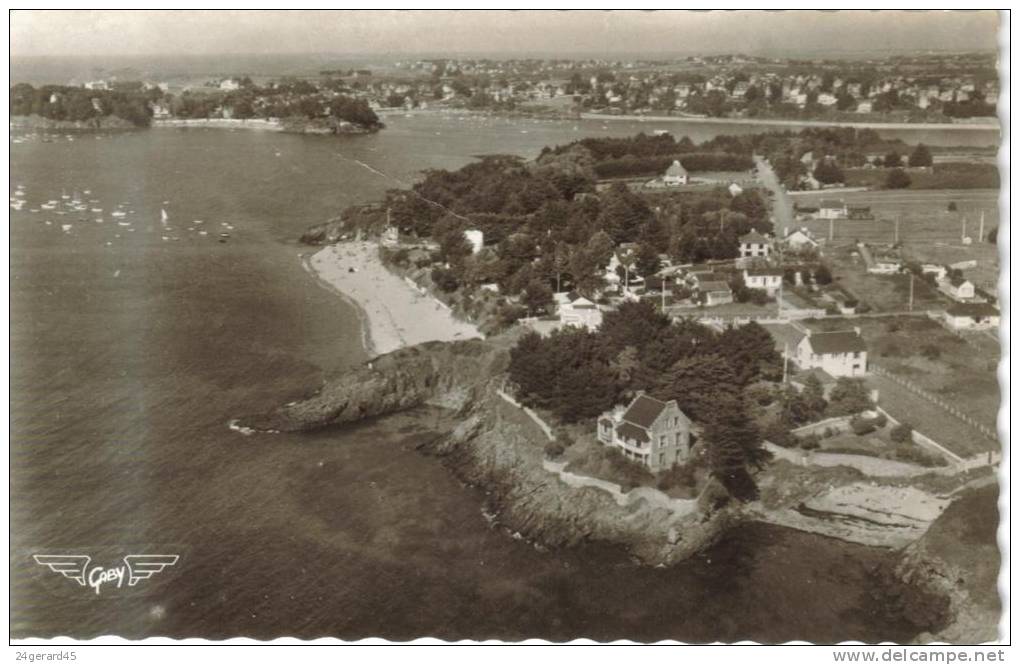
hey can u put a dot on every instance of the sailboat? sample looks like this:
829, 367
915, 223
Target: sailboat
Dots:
163, 217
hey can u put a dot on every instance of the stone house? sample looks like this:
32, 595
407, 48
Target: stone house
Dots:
649, 431
577, 311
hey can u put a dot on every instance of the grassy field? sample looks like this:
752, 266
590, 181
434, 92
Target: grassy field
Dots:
928, 231
963, 374
883, 293
972, 175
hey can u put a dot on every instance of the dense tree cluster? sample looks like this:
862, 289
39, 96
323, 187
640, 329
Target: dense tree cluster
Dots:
577, 374
64, 103
631, 166
543, 221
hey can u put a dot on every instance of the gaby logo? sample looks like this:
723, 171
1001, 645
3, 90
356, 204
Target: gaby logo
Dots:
137, 567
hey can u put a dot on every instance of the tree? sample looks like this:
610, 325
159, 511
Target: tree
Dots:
921, 156
648, 262
828, 173
697, 383
893, 160
823, 275
848, 397
750, 351
734, 447
901, 433
951, 207
897, 179
537, 297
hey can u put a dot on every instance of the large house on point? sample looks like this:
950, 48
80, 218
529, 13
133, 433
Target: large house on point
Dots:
840, 353
650, 431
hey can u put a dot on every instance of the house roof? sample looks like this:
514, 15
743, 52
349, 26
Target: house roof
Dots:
630, 431
972, 309
676, 169
753, 237
831, 203
843, 341
643, 410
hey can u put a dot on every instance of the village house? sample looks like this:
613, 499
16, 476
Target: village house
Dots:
841, 353
753, 245
676, 175
769, 280
577, 311
654, 433
832, 209
800, 240
972, 316
715, 292
476, 239
957, 288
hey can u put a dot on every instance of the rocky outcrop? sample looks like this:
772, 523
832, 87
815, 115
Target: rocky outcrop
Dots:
498, 450
954, 570
437, 373
504, 456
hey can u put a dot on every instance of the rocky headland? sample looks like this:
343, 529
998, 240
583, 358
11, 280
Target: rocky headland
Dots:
935, 582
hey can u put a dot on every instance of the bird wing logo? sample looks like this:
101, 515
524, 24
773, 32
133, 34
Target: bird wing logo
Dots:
143, 566
71, 566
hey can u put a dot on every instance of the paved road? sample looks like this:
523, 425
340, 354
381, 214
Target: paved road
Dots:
782, 209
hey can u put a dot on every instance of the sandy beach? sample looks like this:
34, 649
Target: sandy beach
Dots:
260, 124
395, 314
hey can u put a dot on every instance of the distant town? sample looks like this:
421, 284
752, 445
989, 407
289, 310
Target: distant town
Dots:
926, 88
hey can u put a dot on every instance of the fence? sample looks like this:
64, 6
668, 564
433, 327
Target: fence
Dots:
531, 414
945, 406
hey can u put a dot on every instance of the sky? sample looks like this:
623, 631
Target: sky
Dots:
522, 33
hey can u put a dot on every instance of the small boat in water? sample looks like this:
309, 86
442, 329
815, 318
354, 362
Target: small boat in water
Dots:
163, 217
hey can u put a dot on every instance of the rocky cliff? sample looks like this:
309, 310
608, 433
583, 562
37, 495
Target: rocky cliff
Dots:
497, 449
444, 374
955, 568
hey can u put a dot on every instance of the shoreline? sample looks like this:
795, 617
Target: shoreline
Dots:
926, 126
260, 124
393, 314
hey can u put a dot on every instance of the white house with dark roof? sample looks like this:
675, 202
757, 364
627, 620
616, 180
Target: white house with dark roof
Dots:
831, 209
650, 431
840, 353
972, 316
754, 245
577, 311
768, 279
715, 292
676, 175
800, 240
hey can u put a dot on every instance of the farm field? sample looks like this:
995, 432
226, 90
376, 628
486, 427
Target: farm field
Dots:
962, 374
929, 232
884, 293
